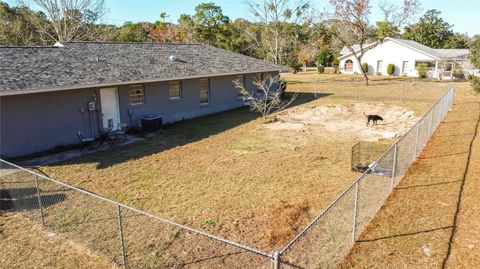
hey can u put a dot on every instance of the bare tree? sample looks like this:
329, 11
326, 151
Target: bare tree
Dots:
267, 98
307, 54
272, 14
349, 24
69, 19
397, 16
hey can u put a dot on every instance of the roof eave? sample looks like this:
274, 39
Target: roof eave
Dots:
350, 53
110, 84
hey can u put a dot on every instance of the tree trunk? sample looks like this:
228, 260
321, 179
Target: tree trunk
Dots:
365, 76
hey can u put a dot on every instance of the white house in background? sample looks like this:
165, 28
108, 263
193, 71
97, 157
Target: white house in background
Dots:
406, 55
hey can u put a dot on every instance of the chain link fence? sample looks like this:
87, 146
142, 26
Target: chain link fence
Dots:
325, 241
136, 239
130, 237
402, 91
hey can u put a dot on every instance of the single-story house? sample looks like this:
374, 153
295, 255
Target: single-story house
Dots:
406, 55
48, 94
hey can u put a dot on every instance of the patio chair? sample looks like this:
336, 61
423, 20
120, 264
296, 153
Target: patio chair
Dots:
86, 142
121, 132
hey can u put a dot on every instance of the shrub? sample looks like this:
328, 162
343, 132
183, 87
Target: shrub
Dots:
422, 70
390, 69
321, 69
365, 67
336, 62
475, 81
296, 67
458, 73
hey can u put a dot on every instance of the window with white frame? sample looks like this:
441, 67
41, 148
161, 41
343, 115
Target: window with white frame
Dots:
204, 90
175, 89
137, 95
379, 66
405, 67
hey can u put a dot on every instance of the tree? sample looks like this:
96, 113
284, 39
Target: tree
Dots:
133, 32
69, 19
268, 96
18, 26
457, 41
431, 30
384, 29
208, 25
162, 32
306, 54
274, 17
475, 51
349, 23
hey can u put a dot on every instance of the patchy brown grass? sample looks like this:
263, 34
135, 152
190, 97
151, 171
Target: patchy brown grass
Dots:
431, 218
222, 173
25, 244
313, 75
224, 169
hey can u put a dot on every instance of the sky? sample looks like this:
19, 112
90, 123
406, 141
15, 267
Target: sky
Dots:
464, 15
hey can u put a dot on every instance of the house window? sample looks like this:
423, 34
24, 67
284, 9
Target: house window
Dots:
204, 90
348, 66
379, 66
405, 67
137, 95
175, 88
241, 81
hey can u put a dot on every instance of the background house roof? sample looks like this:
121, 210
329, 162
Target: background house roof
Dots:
435, 53
93, 64
454, 53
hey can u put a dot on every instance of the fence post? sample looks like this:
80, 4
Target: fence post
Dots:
356, 90
316, 83
394, 168
355, 208
416, 140
401, 94
276, 260
39, 198
120, 231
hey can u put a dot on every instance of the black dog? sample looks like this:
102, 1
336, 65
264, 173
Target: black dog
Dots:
372, 118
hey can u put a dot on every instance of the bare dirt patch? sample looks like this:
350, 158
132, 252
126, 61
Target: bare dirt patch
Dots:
346, 121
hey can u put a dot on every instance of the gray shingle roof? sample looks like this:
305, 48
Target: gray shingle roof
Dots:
83, 64
454, 53
417, 46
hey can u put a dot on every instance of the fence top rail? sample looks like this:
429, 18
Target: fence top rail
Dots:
181, 226
451, 88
